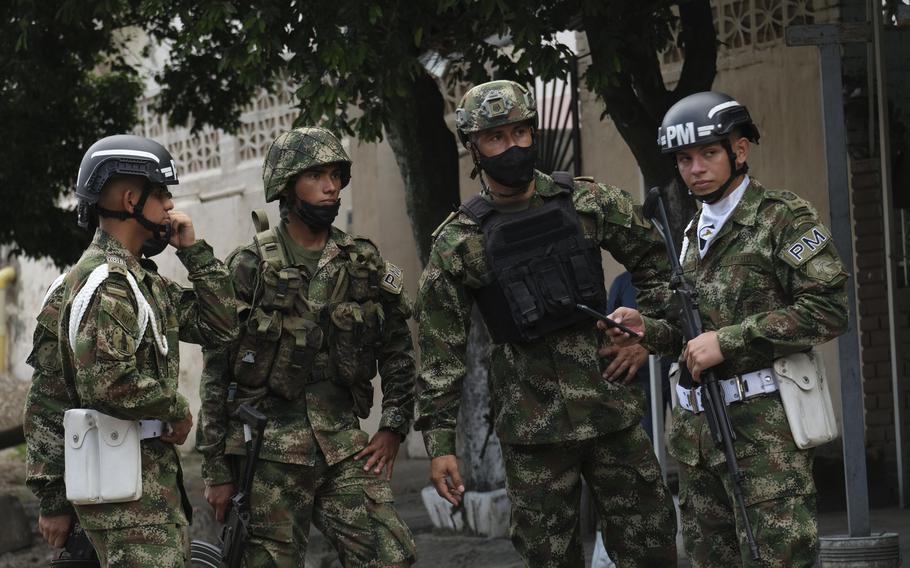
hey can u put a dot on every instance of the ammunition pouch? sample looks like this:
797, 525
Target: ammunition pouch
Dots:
103, 460
354, 334
806, 398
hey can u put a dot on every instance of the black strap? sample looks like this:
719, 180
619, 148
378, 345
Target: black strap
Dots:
564, 180
477, 208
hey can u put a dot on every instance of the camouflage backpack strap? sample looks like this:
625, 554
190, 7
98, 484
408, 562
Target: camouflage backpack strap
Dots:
267, 244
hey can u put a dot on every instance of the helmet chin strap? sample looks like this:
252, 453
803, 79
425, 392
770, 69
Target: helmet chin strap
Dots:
718, 193
161, 231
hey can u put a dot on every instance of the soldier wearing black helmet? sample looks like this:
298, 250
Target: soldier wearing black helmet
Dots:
108, 342
770, 287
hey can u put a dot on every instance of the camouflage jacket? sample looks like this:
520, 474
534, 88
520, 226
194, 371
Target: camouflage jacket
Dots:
547, 390
129, 378
48, 398
771, 284
314, 406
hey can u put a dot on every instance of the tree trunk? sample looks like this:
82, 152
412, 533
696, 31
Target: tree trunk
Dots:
637, 99
484, 472
427, 157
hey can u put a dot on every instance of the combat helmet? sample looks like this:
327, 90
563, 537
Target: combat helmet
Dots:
705, 118
491, 104
122, 154
299, 149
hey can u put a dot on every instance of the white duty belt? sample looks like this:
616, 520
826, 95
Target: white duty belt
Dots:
736, 389
151, 429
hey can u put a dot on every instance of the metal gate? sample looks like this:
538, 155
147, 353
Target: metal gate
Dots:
559, 137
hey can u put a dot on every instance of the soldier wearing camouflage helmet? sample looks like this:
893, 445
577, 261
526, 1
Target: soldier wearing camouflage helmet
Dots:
526, 251
321, 310
770, 286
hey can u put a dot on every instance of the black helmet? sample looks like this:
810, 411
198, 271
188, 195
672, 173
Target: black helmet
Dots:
123, 154
703, 118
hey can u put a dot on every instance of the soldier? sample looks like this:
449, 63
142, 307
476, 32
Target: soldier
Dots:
119, 327
760, 298
319, 310
526, 251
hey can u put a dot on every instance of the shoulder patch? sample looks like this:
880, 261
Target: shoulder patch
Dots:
392, 279
588, 179
806, 246
445, 222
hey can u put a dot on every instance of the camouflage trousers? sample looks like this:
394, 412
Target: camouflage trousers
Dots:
780, 502
352, 508
150, 546
635, 508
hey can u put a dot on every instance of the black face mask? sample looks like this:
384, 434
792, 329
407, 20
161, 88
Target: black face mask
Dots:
317, 217
513, 168
158, 242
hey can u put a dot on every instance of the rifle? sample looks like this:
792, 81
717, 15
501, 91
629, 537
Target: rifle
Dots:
237, 526
712, 393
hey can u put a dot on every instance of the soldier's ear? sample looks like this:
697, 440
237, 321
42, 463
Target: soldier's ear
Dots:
741, 148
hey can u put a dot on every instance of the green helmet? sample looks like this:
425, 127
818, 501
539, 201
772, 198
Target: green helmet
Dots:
496, 103
300, 149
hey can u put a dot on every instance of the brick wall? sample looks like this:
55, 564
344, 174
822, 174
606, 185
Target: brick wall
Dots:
874, 325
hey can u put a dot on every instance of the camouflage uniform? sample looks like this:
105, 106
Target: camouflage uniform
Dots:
764, 303
48, 398
555, 415
306, 358
117, 374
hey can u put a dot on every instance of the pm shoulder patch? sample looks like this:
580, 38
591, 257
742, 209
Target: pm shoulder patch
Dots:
804, 248
392, 279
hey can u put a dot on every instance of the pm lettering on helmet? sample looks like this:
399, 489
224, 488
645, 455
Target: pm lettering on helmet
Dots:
807, 245
680, 134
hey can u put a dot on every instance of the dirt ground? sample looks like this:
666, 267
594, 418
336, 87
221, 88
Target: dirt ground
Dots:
436, 549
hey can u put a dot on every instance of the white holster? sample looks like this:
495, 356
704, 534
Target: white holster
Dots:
103, 458
806, 398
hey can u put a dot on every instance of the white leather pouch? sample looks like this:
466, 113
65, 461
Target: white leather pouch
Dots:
806, 398
103, 458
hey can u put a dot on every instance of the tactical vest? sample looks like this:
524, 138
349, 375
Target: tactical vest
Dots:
542, 266
290, 341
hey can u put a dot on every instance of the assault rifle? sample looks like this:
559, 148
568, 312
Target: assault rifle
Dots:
712, 395
237, 525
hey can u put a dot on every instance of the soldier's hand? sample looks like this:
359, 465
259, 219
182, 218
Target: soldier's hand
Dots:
179, 430
626, 362
629, 318
702, 353
382, 449
219, 497
55, 529
445, 477
182, 232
